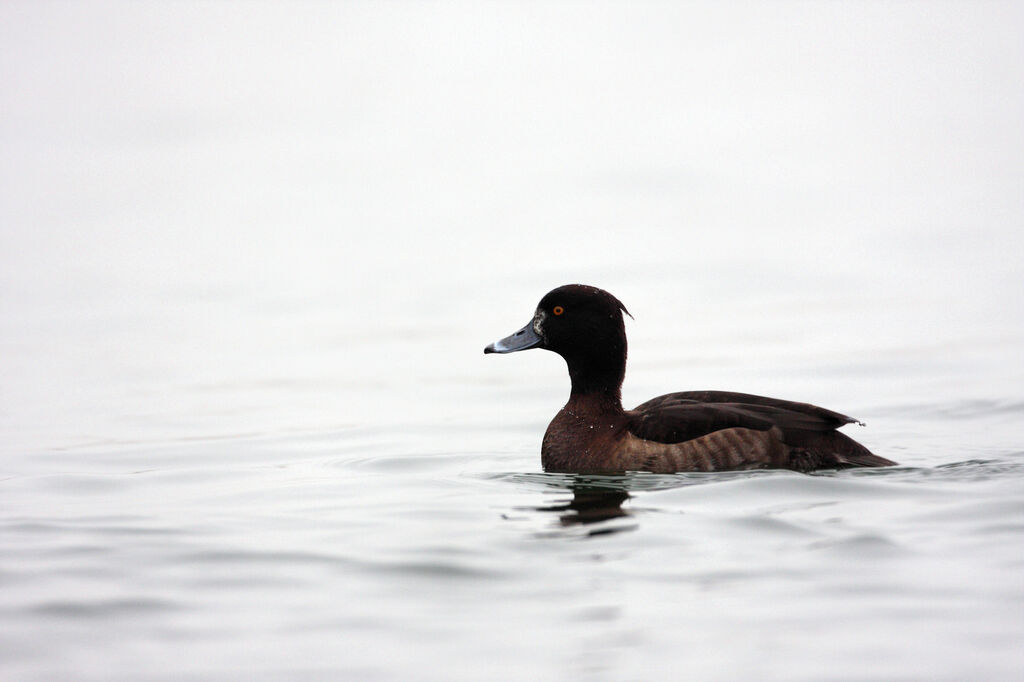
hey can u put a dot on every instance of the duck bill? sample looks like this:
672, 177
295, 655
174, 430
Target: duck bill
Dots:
521, 340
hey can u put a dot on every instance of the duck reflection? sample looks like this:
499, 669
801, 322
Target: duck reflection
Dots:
592, 505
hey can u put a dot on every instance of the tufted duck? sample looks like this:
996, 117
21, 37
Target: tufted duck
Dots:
689, 431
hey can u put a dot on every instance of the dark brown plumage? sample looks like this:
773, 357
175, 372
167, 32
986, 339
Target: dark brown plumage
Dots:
689, 431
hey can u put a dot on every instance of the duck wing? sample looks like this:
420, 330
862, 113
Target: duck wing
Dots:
808, 430
677, 417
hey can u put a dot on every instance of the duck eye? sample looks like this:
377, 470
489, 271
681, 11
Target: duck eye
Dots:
558, 310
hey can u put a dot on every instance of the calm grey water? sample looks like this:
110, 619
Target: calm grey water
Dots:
250, 255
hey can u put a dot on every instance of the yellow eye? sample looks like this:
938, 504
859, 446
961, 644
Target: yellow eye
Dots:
558, 310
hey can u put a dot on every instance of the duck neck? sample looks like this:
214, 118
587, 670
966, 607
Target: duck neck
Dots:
597, 382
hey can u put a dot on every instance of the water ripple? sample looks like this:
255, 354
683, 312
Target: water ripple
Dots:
103, 608
635, 481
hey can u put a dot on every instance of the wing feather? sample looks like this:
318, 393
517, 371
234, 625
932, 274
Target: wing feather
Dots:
678, 417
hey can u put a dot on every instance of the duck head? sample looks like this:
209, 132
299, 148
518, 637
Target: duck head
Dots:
584, 325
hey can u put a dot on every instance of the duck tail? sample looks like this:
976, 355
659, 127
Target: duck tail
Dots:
850, 453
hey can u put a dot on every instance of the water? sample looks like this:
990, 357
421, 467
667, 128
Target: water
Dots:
250, 256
